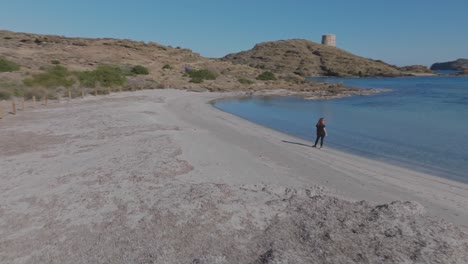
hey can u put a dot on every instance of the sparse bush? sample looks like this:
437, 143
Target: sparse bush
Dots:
196, 80
167, 66
75, 91
38, 92
140, 70
56, 62
292, 78
127, 70
245, 81
197, 76
5, 94
8, 66
106, 75
139, 83
9, 88
266, 76
55, 76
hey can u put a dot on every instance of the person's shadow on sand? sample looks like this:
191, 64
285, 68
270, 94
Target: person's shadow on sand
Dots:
297, 143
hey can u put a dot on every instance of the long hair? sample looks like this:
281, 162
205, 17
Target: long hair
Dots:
321, 121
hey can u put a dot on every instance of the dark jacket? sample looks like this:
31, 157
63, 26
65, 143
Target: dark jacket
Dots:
320, 130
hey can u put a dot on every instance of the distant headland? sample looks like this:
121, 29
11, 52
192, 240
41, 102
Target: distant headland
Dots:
456, 65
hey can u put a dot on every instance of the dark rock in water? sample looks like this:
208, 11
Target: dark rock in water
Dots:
457, 65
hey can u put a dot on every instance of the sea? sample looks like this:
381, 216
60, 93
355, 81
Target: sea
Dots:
422, 124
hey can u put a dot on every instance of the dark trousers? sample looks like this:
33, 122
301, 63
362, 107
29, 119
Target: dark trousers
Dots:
321, 140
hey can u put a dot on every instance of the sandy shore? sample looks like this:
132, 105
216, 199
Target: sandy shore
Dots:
162, 176
292, 162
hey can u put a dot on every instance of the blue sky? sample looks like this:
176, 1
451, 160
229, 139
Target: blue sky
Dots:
400, 32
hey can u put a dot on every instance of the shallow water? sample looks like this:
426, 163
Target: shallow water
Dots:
422, 124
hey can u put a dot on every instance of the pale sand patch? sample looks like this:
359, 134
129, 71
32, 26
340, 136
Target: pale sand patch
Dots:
163, 177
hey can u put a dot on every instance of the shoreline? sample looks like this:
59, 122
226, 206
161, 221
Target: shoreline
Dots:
378, 172
307, 95
141, 175
414, 166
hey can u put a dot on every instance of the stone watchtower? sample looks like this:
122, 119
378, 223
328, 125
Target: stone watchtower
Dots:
329, 40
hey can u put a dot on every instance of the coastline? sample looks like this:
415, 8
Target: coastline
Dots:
398, 161
364, 179
307, 95
145, 174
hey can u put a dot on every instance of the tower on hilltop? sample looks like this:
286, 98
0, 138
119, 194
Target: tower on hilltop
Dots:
329, 40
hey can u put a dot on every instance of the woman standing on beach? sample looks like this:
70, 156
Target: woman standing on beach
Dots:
321, 132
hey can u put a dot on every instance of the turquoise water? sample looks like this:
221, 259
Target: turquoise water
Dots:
422, 124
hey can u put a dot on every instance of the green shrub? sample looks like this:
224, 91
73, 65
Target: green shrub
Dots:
167, 66
196, 80
106, 75
8, 66
140, 70
245, 81
266, 76
5, 94
10, 88
55, 76
56, 62
197, 76
87, 78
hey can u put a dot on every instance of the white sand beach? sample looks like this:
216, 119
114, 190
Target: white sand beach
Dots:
162, 176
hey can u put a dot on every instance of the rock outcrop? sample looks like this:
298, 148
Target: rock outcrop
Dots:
306, 58
456, 65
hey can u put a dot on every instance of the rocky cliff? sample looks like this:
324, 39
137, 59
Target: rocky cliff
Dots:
306, 58
456, 65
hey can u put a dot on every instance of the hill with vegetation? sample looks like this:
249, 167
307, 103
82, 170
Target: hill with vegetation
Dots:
50, 65
306, 58
33, 64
